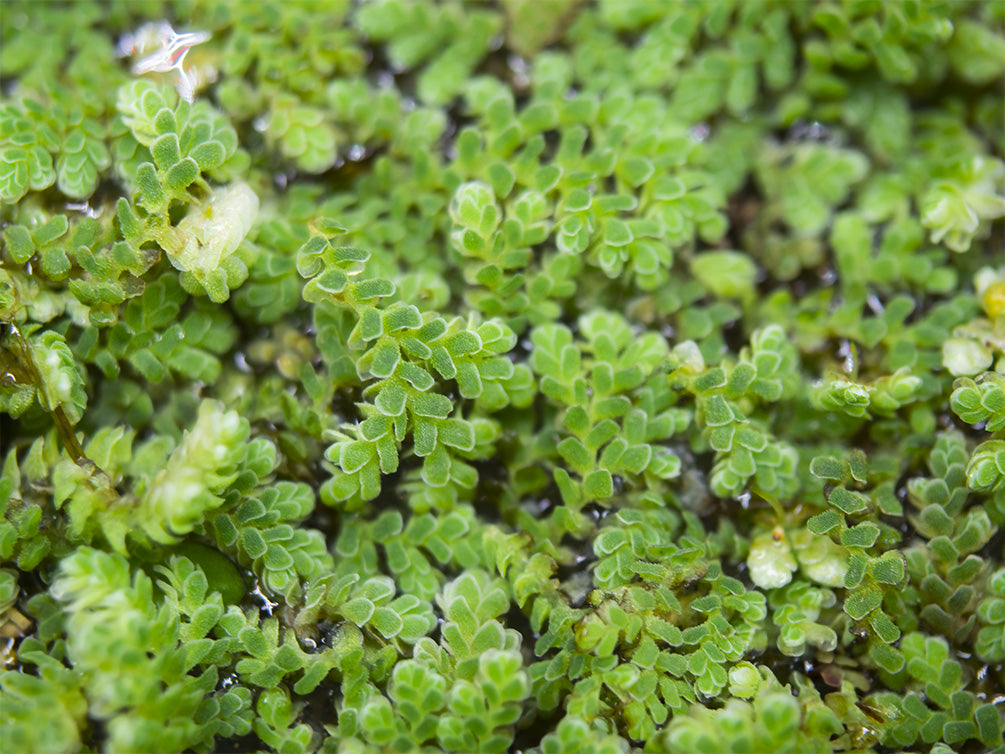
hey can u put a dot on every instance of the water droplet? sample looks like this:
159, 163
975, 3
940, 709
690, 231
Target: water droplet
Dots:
700, 132
846, 352
518, 66
83, 207
815, 131
357, 152
260, 124
7, 655
827, 275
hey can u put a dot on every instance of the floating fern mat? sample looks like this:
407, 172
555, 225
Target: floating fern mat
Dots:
539, 376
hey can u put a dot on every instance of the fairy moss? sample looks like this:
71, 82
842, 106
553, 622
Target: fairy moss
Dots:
537, 375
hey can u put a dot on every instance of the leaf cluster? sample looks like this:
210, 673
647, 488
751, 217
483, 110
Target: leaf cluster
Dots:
548, 376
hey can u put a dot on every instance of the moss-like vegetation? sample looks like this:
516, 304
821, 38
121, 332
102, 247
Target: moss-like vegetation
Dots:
521, 376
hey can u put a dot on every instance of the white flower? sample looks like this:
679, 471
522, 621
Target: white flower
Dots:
744, 680
169, 57
212, 232
964, 357
770, 560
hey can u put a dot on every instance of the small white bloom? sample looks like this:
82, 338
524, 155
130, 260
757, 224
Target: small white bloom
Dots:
964, 357
688, 355
212, 232
744, 680
169, 57
986, 277
770, 560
